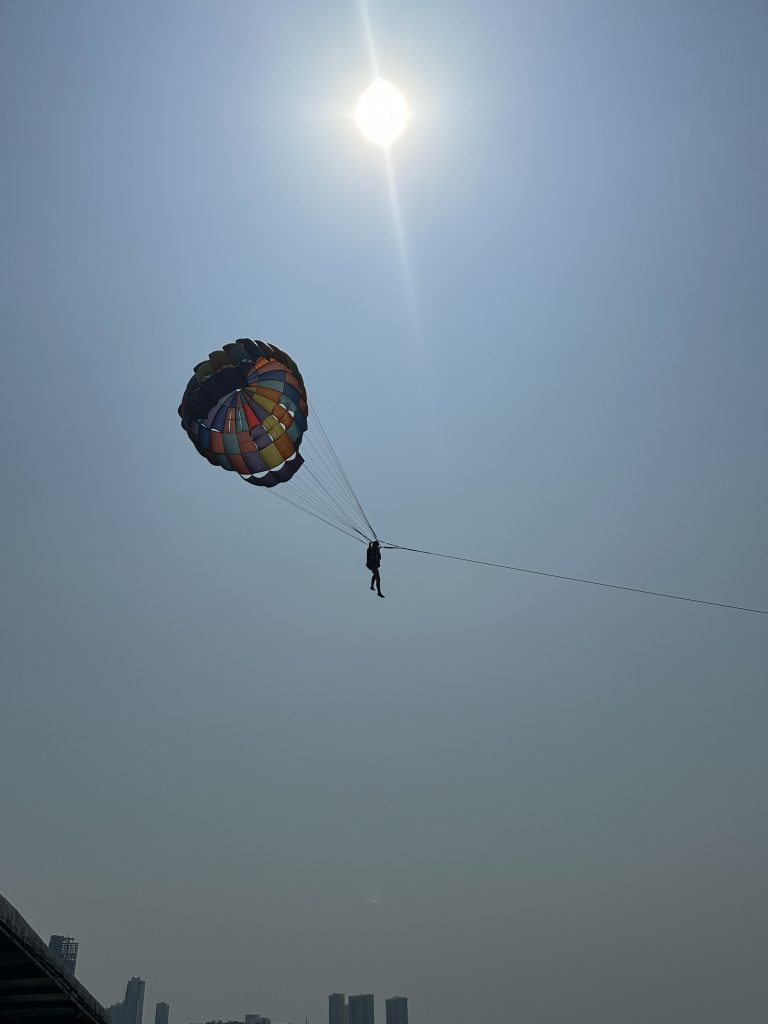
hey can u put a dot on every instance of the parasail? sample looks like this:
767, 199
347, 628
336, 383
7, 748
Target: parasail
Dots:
246, 410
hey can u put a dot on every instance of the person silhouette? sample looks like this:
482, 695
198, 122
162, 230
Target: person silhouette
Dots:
373, 563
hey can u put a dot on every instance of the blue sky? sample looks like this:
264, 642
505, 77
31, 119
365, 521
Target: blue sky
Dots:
216, 747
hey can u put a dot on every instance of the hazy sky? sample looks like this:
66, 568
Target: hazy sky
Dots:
224, 765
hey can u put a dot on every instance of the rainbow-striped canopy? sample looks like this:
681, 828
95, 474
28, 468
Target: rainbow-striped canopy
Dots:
245, 409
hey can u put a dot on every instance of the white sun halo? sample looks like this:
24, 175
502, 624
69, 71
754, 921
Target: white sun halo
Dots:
381, 113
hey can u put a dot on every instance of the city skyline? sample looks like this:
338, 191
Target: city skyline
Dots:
360, 1009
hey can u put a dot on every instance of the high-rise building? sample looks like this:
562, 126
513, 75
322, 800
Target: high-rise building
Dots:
133, 1004
337, 1008
256, 1018
65, 948
115, 1013
397, 1010
360, 1009
161, 1013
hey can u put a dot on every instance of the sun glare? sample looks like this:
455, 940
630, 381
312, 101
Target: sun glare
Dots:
381, 113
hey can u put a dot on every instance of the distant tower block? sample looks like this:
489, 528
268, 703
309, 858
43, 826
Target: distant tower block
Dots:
360, 1010
65, 948
161, 1013
397, 1010
133, 1004
337, 1008
115, 1013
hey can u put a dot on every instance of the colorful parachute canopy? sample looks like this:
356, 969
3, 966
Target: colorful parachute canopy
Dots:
245, 409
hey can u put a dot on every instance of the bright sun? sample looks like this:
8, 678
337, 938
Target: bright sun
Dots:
381, 113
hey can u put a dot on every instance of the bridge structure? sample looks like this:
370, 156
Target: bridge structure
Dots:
35, 986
